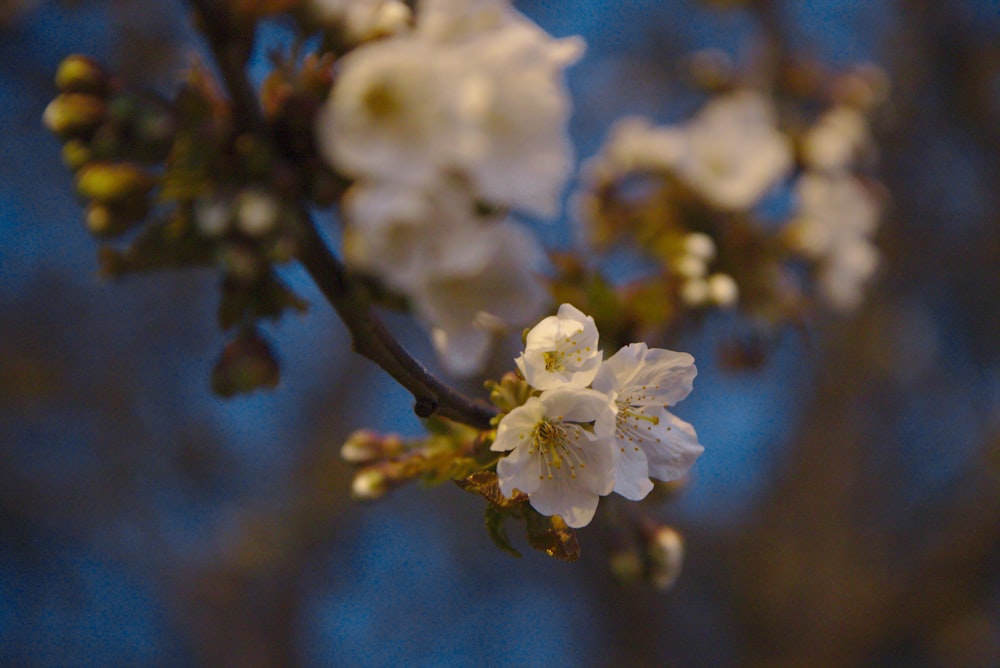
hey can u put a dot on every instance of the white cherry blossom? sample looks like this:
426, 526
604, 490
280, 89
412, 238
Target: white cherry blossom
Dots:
837, 217
735, 153
476, 90
561, 351
641, 382
560, 453
467, 278
483, 286
392, 114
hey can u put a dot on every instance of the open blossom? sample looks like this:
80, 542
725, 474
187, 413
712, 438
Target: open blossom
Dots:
475, 90
837, 217
649, 440
560, 453
561, 351
735, 153
466, 277
487, 285
392, 115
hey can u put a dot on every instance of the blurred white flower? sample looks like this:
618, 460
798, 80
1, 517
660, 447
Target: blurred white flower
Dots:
837, 217
734, 152
360, 20
837, 139
562, 465
635, 145
397, 232
477, 91
649, 440
561, 351
487, 283
515, 103
466, 277
392, 114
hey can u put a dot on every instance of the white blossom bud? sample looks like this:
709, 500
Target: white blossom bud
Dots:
256, 212
694, 292
690, 266
700, 245
723, 290
666, 556
212, 215
369, 484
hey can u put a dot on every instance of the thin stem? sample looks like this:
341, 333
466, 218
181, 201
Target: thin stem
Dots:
371, 339
231, 42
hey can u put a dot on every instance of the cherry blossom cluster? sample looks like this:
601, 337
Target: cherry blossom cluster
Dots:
593, 426
737, 200
457, 117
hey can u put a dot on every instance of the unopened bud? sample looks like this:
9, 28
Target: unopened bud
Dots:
369, 484
365, 446
626, 566
690, 266
109, 183
700, 245
665, 551
257, 212
74, 114
75, 154
81, 74
511, 392
694, 293
723, 290
246, 363
212, 215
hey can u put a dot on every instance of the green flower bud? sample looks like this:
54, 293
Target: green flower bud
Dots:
75, 154
110, 183
74, 114
81, 74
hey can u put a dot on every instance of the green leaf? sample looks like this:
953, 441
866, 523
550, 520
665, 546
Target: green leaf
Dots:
497, 528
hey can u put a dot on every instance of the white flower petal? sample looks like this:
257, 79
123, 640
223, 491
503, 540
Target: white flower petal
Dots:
519, 470
631, 472
517, 425
644, 377
672, 447
576, 404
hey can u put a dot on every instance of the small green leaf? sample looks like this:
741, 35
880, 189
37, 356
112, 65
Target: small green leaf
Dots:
497, 528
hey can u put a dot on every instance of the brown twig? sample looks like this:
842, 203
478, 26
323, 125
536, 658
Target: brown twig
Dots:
231, 43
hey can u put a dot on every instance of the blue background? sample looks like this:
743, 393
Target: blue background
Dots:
144, 521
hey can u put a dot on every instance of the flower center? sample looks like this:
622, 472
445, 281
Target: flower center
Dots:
554, 360
555, 446
632, 425
380, 101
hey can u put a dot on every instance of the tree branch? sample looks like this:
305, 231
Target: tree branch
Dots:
230, 43
371, 339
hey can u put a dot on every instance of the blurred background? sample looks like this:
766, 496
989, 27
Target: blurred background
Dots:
846, 511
